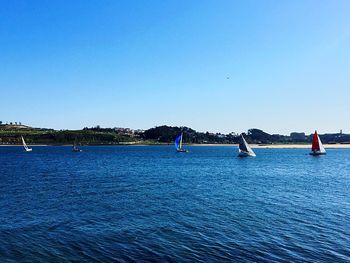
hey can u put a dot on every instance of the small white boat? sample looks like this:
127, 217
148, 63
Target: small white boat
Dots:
26, 148
75, 147
317, 146
178, 144
244, 149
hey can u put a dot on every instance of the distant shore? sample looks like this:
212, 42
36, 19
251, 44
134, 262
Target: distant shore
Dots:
281, 146
263, 146
299, 146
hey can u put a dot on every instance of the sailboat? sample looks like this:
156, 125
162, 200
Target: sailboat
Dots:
244, 149
317, 147
178, 143
75, 147
26, 148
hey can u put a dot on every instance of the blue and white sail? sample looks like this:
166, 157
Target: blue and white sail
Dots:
178, 143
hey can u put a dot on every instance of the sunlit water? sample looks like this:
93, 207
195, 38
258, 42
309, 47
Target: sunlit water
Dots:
153, 204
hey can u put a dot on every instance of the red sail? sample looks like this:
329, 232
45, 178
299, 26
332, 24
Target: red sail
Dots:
315, 144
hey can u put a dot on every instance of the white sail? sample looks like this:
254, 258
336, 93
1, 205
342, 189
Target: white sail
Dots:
24, 143
244, 148
26, 148
248, 147
322, 149
75, 146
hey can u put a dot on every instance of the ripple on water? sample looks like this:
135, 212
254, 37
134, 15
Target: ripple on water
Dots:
133, 204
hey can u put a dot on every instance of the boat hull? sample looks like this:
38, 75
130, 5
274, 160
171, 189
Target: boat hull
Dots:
28, 150
317, 153
245, 154
182, 151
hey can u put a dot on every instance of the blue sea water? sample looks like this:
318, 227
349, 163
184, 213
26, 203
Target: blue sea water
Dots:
132, 204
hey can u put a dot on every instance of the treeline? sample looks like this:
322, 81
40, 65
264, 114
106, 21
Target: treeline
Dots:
161, 134
63, 137
167, 134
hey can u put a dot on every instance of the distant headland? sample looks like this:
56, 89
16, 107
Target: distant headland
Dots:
10, 134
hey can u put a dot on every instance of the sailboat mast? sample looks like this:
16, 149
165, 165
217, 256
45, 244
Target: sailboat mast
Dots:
181, 140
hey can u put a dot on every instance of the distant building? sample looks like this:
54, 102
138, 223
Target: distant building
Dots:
298, 136
124, 131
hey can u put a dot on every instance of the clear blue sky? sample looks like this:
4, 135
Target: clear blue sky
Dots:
216, 66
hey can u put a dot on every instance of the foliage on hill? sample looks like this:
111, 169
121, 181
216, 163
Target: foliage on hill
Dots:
44, 136
166, 134
161, 134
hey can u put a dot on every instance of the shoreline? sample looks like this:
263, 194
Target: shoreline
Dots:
280, 146
255, 146
300, 146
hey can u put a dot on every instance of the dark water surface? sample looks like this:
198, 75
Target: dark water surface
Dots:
152, 204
